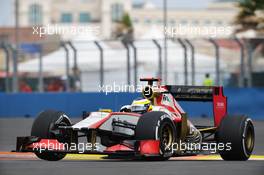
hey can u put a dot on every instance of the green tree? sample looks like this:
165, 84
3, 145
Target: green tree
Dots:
124, 29
126, 21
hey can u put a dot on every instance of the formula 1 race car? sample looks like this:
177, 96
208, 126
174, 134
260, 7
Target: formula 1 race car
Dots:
152, 128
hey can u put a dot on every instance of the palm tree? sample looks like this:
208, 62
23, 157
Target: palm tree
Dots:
124, 28
250, 16
126, 21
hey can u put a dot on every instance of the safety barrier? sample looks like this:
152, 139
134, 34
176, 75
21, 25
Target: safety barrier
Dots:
240, 101
73, 53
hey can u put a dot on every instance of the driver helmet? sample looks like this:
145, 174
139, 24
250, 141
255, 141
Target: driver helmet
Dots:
141, 106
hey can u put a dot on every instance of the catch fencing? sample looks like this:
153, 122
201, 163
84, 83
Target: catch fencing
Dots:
181, 66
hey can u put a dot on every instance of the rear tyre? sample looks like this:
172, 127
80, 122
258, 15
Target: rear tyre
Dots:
45, 126
238, 132
157, 125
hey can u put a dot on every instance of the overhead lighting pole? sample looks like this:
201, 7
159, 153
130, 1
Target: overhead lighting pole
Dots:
165, 24
16, 54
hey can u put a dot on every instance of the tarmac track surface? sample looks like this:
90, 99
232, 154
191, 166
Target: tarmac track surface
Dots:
27, 163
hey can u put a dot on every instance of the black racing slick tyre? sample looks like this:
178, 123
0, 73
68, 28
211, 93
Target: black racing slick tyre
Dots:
45, 127
157, 125
238, 131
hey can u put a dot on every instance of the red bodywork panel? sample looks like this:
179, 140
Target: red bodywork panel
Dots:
219, 106
118, 147
146, 147
167, 101
149, 147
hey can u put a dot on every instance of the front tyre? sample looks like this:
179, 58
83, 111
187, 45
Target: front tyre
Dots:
45, 126
238, 131
157, 125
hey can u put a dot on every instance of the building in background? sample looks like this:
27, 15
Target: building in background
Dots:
217, 14
66, 13
105, 14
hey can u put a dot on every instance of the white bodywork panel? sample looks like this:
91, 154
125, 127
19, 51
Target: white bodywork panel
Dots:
107, 126
93, 118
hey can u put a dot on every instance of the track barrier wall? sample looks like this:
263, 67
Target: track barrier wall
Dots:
248, 101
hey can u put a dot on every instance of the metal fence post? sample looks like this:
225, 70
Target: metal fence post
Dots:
14, 77
250, 56
165, 25
135, 64
128, 61
160, 57
101, 62
67, 66
40, 78
217, 61
185, 61
75, 64
242, 63
5, 48
192, 60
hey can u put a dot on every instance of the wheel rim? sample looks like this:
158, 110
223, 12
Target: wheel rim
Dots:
167, 136
249, 139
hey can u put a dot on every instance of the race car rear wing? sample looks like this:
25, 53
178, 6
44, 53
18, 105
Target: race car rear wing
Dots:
193, 93
202, 94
